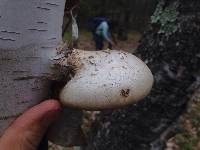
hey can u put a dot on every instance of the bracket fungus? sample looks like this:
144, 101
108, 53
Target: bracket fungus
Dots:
105, 79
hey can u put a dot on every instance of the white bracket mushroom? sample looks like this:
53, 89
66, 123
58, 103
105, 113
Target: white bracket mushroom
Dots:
105, 79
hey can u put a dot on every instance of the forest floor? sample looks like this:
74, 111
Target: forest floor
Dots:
85, 41
189, 138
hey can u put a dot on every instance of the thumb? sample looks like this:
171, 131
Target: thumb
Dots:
28, 130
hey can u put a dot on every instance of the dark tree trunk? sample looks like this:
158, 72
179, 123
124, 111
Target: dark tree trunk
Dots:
171, 48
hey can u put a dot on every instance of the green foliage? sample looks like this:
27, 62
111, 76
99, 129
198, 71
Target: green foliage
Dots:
67, 36
166, 17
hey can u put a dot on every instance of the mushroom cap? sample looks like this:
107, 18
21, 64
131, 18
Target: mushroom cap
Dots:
105, 79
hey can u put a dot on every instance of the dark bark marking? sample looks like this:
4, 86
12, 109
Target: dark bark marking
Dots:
52, 4
43, 8
23, 102
36, 89
40, 30
7, 39
9, 117
33, 57
11, 32
19, 71
46, 47
41, 22
54, 38
6, 59
28, 78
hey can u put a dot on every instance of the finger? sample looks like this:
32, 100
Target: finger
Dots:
27, 131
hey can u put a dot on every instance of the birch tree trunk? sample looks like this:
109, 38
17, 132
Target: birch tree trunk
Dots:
30, 31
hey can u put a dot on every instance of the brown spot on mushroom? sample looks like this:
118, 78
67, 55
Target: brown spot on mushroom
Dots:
110, 61
125, 93
93, 74
90, 57
122, 57
91, 62
124, 67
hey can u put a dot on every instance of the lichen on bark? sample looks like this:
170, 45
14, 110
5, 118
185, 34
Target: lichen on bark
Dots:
165, 16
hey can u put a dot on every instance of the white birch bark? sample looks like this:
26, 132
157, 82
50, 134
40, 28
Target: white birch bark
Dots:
30, 31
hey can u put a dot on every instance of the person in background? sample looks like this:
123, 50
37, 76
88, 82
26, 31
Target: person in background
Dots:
101, 30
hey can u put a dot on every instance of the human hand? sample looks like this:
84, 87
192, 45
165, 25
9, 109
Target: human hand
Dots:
27, 131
